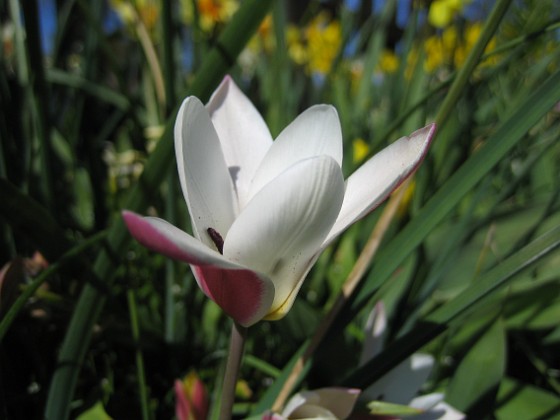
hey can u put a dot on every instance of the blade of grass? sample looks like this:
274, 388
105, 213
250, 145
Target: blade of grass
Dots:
38, 95
135, 327
60, 77
73, 350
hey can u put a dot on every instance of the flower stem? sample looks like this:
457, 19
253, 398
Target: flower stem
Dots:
236, 345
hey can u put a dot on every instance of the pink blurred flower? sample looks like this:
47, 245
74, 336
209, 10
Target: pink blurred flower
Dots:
191, 399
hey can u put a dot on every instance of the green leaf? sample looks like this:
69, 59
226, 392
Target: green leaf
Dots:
534, 308
517, 400
474, 385
97, 412
382, 408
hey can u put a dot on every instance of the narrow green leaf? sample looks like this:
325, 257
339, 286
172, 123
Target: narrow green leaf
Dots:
104, 94
97, 412
382, 408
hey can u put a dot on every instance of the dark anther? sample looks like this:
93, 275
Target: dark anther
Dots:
216, 238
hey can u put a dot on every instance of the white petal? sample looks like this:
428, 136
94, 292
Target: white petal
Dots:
203, 173
280, 230
375, 329
294, 403
243, 134
372, 183
315, 132
403, 382
336, 403
313, 412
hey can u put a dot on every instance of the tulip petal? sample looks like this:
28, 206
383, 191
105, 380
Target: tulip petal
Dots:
203, 173
161, 236
244, 295
243, 134
403, 382
336, 403
372, 183
282, 227
315, 132
375, 333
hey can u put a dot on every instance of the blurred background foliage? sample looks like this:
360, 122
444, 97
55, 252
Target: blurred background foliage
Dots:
86, 91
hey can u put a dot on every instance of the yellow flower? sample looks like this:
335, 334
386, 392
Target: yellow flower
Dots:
388, 62
360, 150
442, 12
434, 53
296, 48
324, 39
452, 48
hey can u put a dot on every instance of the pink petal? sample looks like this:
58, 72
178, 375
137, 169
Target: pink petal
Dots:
242, 294
182, 410
161, 236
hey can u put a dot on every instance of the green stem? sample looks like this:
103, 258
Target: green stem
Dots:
142, 390
236, 345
